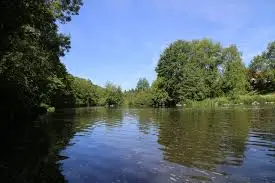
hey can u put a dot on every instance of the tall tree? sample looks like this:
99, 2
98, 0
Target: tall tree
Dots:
190, 69
30, 48
200, 69
235, 80
262, 70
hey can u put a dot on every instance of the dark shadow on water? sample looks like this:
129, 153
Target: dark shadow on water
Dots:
31, 153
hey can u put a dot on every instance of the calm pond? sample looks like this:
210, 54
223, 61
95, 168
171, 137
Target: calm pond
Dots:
143, 145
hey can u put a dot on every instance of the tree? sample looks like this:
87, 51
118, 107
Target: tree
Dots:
113, 95
30, 51
140, 96
190, 70
159, 95
142, 84
58, 93
200, 69
84, 92
143, 98
235, 80
262, 70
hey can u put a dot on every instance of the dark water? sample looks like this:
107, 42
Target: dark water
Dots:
143, 145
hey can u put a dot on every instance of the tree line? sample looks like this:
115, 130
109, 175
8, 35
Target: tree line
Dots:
33, 77
203, 69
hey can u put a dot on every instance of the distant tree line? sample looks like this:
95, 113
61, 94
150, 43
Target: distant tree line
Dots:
87, 94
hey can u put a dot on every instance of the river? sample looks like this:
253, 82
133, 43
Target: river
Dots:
143, 145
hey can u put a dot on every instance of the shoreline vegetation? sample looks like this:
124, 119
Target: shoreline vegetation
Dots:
242, 100
194, 72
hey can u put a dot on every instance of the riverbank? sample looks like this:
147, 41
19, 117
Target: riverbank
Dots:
233, 101
211, 102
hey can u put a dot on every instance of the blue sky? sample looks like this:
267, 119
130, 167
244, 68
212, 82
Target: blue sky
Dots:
121, 40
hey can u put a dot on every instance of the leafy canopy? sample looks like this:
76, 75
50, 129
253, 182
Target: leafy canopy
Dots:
200, 69
262, 70
142, 84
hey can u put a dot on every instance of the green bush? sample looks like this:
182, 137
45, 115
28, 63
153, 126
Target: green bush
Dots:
48, 107
204, 103
261, 99
141, 98
222, 101
232, 101
247, 99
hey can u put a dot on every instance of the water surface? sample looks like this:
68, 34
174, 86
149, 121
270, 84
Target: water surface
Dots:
144, 145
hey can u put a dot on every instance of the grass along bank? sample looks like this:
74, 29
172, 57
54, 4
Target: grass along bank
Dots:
233, 101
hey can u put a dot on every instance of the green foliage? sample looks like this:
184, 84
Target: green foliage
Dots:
257, 99
262, 70
100, 95
159, 95
64, 9
85, 92
236, 100
235, 80
32, 75
49, 108
58, 93
30, 51
201, 69
142, 84
140, 98
113, 95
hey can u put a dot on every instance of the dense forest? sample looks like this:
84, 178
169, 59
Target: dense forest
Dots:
34, 79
